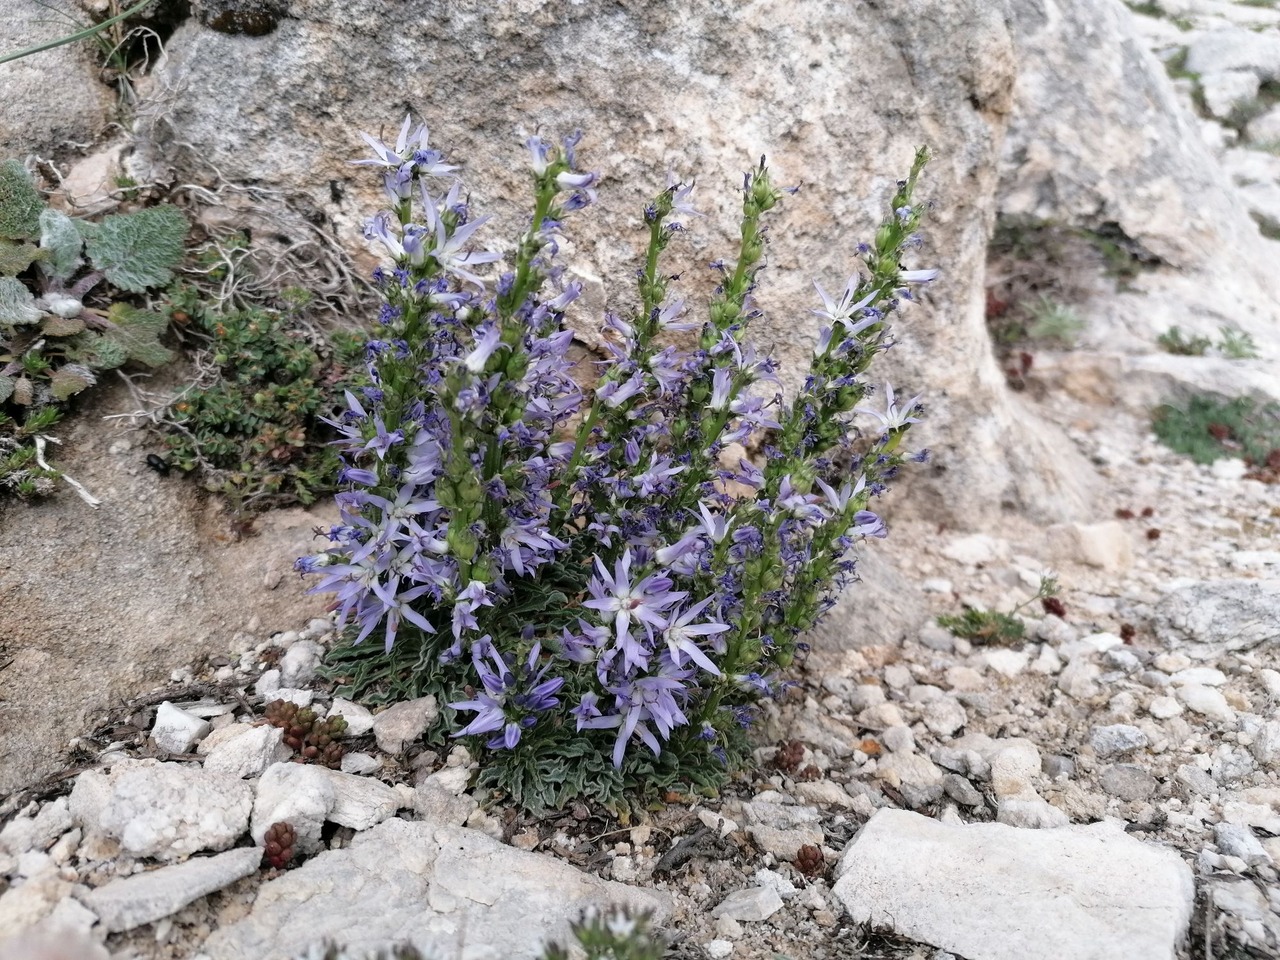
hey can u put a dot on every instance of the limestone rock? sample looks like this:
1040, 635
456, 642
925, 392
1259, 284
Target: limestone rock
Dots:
1207, 619
992, 892
163, 810
305, 796
128, 902
1235, 48
177, 731
754, 903
249, 753
359, 719
403, 723
36, 833
440, 888
954, 91
299, 663
297, 794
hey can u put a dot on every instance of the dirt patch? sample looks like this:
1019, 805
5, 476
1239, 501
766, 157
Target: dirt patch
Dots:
99, 604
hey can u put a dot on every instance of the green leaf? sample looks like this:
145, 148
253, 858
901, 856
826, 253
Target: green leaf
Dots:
17, 305
139, 250
59, 236
16, 257
69, 380
20, 203
138, 332
98, 352
61, 326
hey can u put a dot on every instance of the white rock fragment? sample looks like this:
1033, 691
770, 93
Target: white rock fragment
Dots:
714, 821
359, 719
750, 905
775, 882
1207, 702
299, 698
25, 833
1117, 738
1007, 663
1104, 545
177, 731
1204, 676
361, 764
128, 902
167, 811
1079, 679
978, 548
403, 723
823, 793
998, 893
360, 802
296, 793
718, 949
1162, 708
299, 663
248, 753
306, 795
267, 684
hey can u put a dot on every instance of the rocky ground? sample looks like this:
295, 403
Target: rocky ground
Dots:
1145, 715
1106, 787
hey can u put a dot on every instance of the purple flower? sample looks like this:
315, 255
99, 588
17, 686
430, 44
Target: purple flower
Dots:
681, 631
640, 702
893, 417
841, 311
644, 602
511, 699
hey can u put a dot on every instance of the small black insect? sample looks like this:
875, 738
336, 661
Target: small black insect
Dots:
158, 463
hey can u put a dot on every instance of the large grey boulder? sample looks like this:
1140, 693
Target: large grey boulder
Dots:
837, 96
446, 890
1098, 139
987, 891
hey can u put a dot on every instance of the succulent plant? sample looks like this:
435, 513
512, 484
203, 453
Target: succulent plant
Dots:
314, 738
810, 861
277, 845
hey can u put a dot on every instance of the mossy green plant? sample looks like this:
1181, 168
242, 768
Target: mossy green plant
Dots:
993, 628
1209, 428
252, 428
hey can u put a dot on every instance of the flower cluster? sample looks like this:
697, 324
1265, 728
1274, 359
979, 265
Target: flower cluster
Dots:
633, 563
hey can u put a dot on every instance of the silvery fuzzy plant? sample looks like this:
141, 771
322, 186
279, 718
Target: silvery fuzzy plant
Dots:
52, 346
599, 584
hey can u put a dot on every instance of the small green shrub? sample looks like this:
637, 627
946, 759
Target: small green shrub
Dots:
1174, 341
254, 429
991, 627
1237, 345
1209, 428
1053, 321
1234, 345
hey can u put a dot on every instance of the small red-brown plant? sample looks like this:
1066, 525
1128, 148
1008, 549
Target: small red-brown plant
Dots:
277, 845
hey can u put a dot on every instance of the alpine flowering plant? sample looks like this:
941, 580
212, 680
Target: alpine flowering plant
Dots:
599, 585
